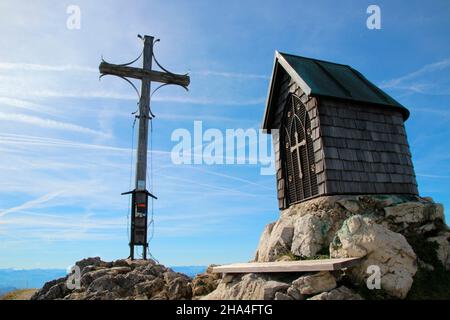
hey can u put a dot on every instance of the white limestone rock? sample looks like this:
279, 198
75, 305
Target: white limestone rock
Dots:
341, 293
315, 283
309, 235
249, 287
414, 212
276, 240
361, 236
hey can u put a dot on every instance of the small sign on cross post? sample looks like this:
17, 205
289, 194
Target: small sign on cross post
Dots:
139, 203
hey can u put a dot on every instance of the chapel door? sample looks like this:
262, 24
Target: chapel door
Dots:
300, 176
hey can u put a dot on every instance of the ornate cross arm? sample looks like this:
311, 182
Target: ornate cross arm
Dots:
138, 73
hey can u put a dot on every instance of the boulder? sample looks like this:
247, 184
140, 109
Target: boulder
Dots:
295, 294
309, 235
227, 278
414, 212
341, 293
120, 279
275, 241
350, 204
206, 282
271, 288
95, 261
58, 291
303, 229
121, 263
149, 288
282, 296
178, 288
103, 283
362, 237
88, 277
119, 270
414, 216
248, 287
315, 283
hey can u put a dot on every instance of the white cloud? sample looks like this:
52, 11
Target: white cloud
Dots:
44, 67
24, 104
243, 76
433, 176
20, 66
412, 82
120, 96
32, 203
47, 123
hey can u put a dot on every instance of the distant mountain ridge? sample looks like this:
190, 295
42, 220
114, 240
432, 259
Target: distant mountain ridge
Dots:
190, 271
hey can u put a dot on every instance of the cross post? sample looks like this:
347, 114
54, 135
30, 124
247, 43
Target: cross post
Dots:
140, 194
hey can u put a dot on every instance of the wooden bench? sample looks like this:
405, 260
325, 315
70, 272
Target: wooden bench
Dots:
289, 266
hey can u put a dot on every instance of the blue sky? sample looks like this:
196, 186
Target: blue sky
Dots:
65, 136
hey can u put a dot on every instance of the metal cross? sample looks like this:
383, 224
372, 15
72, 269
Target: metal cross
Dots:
296, 148
139, 206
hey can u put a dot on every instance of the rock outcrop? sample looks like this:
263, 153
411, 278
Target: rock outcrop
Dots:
314, 283
247, 287
387, 250
403, 239
341, 293
400, 235
314, 286
204, 283
119, 280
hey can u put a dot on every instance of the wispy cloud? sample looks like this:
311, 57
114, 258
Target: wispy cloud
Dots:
32, 203
433, 176
19, 139
119, 96
244, 76
233, 191
227, 176
411, 81
33, 219
24, 104
47, 123
442, 112
20, 66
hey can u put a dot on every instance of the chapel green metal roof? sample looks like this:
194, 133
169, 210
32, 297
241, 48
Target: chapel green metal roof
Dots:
337, 80
329, 79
